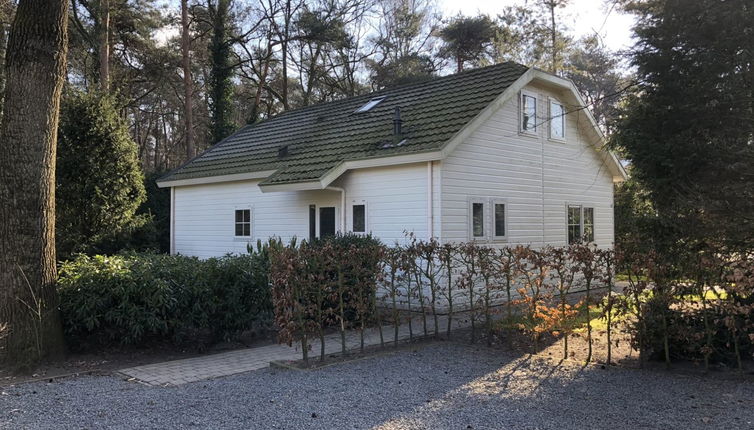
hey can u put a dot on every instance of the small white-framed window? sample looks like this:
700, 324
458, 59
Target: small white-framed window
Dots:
557, 120
243, 223
528, 110
499, 209
477, 222
359, 216
580, 224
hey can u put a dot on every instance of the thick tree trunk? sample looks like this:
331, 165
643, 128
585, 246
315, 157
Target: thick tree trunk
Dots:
35, 70
188, 114
104, 46
3, 45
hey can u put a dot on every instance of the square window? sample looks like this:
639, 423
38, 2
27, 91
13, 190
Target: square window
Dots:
528, 113
359, 218
243, 223
557, 121
580, 224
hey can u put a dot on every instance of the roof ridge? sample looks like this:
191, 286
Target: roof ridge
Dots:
373, 94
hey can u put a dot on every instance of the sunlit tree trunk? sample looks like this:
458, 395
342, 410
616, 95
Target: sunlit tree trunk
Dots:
35, 70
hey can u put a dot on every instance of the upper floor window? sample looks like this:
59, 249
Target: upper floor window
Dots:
243, 222
557, 121
528, 113
580, 224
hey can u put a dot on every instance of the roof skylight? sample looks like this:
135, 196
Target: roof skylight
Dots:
370, 104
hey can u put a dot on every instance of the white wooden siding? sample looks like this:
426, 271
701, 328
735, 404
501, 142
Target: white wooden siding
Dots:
537, 176
204, 216
396, 199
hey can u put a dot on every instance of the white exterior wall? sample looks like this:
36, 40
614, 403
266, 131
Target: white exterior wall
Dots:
396, 199
205, 216
204, 222
536, 176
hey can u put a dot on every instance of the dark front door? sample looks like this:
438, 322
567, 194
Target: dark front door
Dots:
326, 222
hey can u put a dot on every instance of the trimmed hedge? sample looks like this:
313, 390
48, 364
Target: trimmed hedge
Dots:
133, 298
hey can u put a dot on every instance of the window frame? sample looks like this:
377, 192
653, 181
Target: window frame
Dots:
550, 102
581, 224
250, 223
493, 219
366, 107
485, 231
359, 202
521, 130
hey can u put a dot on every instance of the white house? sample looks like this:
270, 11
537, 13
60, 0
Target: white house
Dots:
501, 155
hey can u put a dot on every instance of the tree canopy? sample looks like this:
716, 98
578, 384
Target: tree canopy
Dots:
688, 127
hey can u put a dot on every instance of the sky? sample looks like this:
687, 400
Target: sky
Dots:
583, 17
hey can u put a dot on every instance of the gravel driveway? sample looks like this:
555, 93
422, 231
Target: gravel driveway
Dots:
438, 386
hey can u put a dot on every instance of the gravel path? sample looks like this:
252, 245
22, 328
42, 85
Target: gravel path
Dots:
438, 386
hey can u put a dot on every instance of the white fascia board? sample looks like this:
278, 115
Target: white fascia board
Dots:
216, 179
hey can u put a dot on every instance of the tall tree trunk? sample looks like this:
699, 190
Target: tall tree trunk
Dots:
3, 46
284, 47
554, 67
35, 70
104, 46
188, 114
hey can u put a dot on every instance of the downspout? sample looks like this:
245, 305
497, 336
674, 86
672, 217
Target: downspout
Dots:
430, 192
342, 207
172, 220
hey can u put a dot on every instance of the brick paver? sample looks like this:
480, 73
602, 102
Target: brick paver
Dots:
179, 372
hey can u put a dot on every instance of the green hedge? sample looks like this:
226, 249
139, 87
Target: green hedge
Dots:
133, 298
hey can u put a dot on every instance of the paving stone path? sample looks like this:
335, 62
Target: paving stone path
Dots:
187, 370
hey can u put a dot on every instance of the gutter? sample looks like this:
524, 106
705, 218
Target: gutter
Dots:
430, 192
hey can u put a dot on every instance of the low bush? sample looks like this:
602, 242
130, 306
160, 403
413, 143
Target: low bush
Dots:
134, 298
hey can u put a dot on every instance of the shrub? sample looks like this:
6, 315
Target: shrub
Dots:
100, 184
330, 281
133, 298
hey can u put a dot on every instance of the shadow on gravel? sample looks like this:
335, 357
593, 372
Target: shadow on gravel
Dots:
443, 385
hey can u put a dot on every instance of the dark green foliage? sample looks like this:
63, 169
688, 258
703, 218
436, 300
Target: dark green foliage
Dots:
157, 207
468, 40
688, 128
131, 299
221, 72
99, 180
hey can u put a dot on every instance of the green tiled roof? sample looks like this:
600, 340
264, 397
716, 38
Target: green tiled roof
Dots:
322, 136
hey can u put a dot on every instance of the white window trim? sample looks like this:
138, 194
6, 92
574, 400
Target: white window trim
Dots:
521, 130
550, 101
581, 220
485, 227
358, 202
251, 223
495, 237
